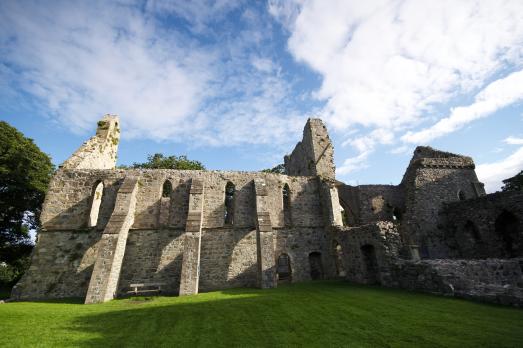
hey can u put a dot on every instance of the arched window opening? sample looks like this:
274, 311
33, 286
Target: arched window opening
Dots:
96, 201
472, 231
340, 266
461, 195
167, 189
370, 264
396, 214
284, 270
286, 205
507, 227
229, 203
316, 265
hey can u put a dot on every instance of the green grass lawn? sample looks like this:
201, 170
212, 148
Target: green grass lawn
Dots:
309, 314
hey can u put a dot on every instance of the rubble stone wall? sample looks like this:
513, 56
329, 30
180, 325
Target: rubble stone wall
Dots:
490, 280
472, 231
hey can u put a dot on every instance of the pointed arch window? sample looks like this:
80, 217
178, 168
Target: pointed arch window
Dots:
96, 201
286, 193
229, 203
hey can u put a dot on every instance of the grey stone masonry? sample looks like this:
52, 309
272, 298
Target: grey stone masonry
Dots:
264, 238
314, 155
106, 272
203, 230
192, 240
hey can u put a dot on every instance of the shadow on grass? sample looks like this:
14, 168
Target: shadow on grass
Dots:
319, 314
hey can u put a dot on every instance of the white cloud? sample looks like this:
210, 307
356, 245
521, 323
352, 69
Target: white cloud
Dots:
498, 94
493, 173
83, 60
391, 64
513, 141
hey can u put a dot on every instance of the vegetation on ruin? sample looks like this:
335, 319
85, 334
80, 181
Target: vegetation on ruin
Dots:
159, 161
321, 314
279, 169
514, 183
25, 172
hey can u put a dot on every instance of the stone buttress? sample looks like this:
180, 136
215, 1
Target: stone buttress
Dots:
106, 272
264, 238
192, 240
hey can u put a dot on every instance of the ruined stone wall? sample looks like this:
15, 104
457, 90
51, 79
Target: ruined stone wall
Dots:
61, 265
99, 152
366, 204
154, 249
384, 238
314, 155
471, 230
69, 198
491, 280
429, 182
298, 243
153, 256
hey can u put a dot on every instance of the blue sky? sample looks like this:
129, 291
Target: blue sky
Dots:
231, 83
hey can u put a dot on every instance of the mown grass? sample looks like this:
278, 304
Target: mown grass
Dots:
310, 314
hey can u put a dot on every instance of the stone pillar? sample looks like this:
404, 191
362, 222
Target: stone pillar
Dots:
264, 238
106, 272
192, 240
330, 202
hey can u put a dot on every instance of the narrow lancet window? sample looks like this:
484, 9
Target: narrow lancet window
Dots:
229, 203
167, 189
96, 201
287, 205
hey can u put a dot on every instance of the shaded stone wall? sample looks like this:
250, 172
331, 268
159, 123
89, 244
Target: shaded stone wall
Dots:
432, 179
471, 226
384, 238
153, 256
61, 265
491, 280
314, 155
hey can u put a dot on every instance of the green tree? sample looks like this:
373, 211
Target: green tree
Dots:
279, 169
514, 183
159, 161
25, 172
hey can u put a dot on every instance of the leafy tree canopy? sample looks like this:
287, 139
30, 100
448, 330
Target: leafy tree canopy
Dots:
159, 161
279, 169
25, 172
514, 183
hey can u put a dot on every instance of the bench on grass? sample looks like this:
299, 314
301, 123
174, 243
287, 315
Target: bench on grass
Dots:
139, 288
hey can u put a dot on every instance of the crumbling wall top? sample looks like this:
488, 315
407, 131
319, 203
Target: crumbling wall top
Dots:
314, 155
99, 152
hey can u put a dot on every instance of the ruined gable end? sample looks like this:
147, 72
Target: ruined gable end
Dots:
100, 151
314, 155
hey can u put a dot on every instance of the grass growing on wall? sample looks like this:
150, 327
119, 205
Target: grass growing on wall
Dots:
321, 314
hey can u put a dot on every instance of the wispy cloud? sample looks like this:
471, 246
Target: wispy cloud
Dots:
513, 141
498, 94
82, 60
493, 173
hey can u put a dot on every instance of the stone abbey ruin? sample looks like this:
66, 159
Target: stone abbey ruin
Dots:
107, 231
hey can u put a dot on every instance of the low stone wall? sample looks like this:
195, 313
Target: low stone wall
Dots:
491, 280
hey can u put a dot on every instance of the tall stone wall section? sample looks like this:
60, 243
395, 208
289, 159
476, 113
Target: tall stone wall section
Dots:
432, 179
314, 155
99, 152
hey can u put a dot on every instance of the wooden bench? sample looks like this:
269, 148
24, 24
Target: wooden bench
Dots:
139, 288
